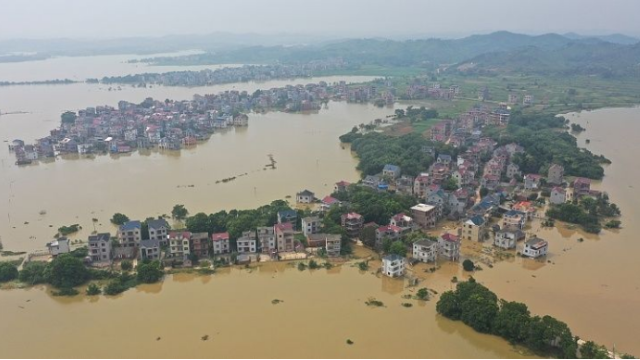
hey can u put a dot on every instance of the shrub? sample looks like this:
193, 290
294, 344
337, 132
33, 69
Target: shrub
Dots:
8, 271
468, 265
93, 289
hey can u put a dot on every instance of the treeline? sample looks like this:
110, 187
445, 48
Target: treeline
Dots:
374, 206
375, 150
587, 212
478, 307
545, 142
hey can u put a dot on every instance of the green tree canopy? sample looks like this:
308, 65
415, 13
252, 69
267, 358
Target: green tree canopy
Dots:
119, 219
67, 271
8, 271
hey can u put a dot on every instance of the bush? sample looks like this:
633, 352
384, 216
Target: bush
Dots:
468, 265
93, 289
66, 292
67, 271
423, 294
8, 271
126, 265
150, 273
313, 265
34, 272
119, 219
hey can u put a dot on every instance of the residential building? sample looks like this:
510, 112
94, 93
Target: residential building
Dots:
513, 171
555, 176
200, 245
393, 265
558, 196
341, 186
514, 220
391, 171
420, 185
527, 100
220, 243
267, 239
130, 234
352, 222
425, 250
149, 250
247, 243
59, 246
444, 159
179, 244
525, 207
425, 216
158, 230
472, 229
532, 181
305, 197
287, 216
402, 221
449, 246
507, 239
284, 237
581, 186
388, 232
372, 181
333, 245
100, 247
404, 185
328, 202
311, 225
535, 247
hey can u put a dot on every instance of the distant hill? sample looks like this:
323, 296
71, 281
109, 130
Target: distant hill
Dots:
612, 38
594, 57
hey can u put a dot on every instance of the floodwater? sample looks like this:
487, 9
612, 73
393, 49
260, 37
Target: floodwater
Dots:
39, 198
319, 311
80, 68
593, 285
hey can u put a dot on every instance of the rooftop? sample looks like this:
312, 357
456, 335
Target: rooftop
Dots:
423, 208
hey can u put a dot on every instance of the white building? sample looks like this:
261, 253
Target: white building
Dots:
449, 246
305, 197
507, 239
393, 265
59, 246
535, 247
158, 230
558, 196
247, 243
220, 243
311, 225
425, 250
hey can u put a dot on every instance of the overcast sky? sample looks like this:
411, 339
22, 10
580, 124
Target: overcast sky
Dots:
342, 18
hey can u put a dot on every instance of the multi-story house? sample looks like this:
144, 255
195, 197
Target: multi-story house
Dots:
472, 229
513, 171
158, 230
305, 197
393, 265
220, 243
333, 244
402, 221
558, 196
391, 171
507, 239
311, 225
129, 236
555, 176
341, 186
267, 239
179, 246
284, 237
535, 247
247, 243
420, 185
425, 216
449, 246
425, 250
532, 181
388, 232
287, 216
149, 250
100, 247
352, 222
514, 220
58, 246
581, 186
200, 245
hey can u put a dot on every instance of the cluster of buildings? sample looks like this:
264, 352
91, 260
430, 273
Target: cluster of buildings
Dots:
228, 75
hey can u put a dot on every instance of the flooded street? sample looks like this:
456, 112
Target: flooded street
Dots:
320, 311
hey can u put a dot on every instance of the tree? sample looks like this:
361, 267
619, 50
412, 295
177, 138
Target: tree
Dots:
150, 273
546, 333
93, 289
449, 305
468, 265
484, 192
68, 117
398, 248
368, 236
179, 212
8, 271
591, 350
119, 219
34, 272
512, 321
67, 271
198, 223
423, 294
126, 265
450, 184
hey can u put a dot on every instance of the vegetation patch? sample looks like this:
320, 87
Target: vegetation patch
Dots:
374, 303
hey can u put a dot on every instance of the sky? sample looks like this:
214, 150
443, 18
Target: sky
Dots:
336, 18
